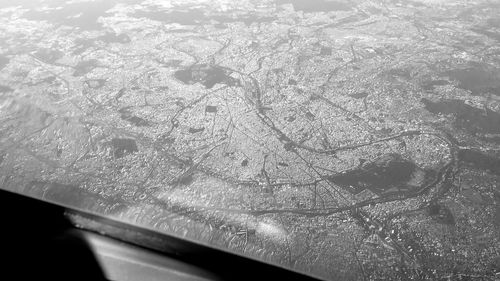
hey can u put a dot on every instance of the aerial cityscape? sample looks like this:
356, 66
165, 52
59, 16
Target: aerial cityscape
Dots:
348, 140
